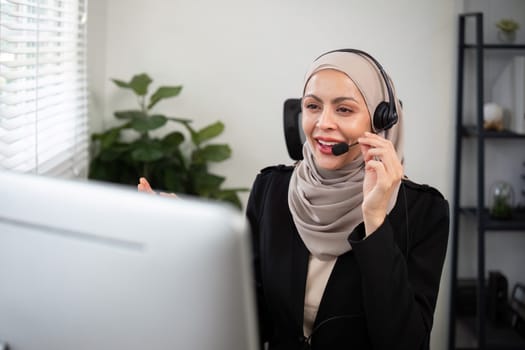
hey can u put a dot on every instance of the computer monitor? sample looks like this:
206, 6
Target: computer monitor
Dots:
89, 266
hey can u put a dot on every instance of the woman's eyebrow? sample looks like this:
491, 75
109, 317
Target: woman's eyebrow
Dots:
334, 101
313, 96
343, 98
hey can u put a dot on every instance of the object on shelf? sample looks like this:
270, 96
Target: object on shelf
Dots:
523, 190
466, 296
492, 117
497, 306
507, 30
509, 92
501, 200
496, 303
517, 306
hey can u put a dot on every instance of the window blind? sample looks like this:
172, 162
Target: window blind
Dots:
43, 88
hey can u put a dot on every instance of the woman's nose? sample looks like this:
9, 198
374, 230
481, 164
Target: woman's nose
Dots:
326, 120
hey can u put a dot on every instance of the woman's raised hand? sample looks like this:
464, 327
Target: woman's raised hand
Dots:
145, 187
383, 173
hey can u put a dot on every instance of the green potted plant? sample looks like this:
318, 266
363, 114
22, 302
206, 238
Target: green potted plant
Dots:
507, 30
173, 163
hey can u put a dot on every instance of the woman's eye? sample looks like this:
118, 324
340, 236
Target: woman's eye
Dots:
344, 110
312, 106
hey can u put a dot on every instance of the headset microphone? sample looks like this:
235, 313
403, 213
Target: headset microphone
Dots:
342, 147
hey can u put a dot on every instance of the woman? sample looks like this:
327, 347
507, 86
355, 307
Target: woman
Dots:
347, 253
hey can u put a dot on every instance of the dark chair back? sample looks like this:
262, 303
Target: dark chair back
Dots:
292, 128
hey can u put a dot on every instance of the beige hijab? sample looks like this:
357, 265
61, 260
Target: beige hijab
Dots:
326, 204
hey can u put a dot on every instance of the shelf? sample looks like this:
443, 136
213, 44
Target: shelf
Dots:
497, 337
516, 223
472, 131
496, 46
463, 328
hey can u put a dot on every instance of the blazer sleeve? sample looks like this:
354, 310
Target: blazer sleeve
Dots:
254, 213
400, 293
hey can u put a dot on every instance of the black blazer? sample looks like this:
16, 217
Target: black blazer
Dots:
380, 295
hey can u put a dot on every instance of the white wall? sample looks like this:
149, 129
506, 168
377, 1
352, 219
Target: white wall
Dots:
239, 60
96, 65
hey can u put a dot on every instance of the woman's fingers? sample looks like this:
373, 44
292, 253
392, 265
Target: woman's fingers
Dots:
383, 180
388, 158
364, 151
373, 140
166, 194
144, 186
376, 147
380, 156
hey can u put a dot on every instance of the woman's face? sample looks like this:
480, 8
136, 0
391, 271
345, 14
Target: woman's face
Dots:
333, 111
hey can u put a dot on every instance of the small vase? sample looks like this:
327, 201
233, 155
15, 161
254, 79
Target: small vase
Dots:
501, 200
506, 37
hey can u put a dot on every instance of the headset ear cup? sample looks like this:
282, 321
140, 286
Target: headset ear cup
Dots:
383, 118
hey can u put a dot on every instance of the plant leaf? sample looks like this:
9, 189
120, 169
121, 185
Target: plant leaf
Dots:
213, 153
173, 140
110, 154
108, 171
139, 84
180, 120
192, 132
109, 138
131, 114
209, 132
121, 83
162, 93
174, 180
99, 170
207, 183
147, 151
151, 123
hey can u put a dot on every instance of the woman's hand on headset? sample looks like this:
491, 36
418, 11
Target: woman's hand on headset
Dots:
383, 173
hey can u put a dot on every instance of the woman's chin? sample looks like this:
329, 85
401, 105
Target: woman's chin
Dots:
329, 162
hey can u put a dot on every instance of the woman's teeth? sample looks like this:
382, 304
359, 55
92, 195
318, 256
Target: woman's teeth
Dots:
325, 143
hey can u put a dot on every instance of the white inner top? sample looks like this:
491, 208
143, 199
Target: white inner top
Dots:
318, 273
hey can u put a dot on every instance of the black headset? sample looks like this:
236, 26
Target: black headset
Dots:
385, 114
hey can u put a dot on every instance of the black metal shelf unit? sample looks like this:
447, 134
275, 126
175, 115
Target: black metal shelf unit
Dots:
481, 333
